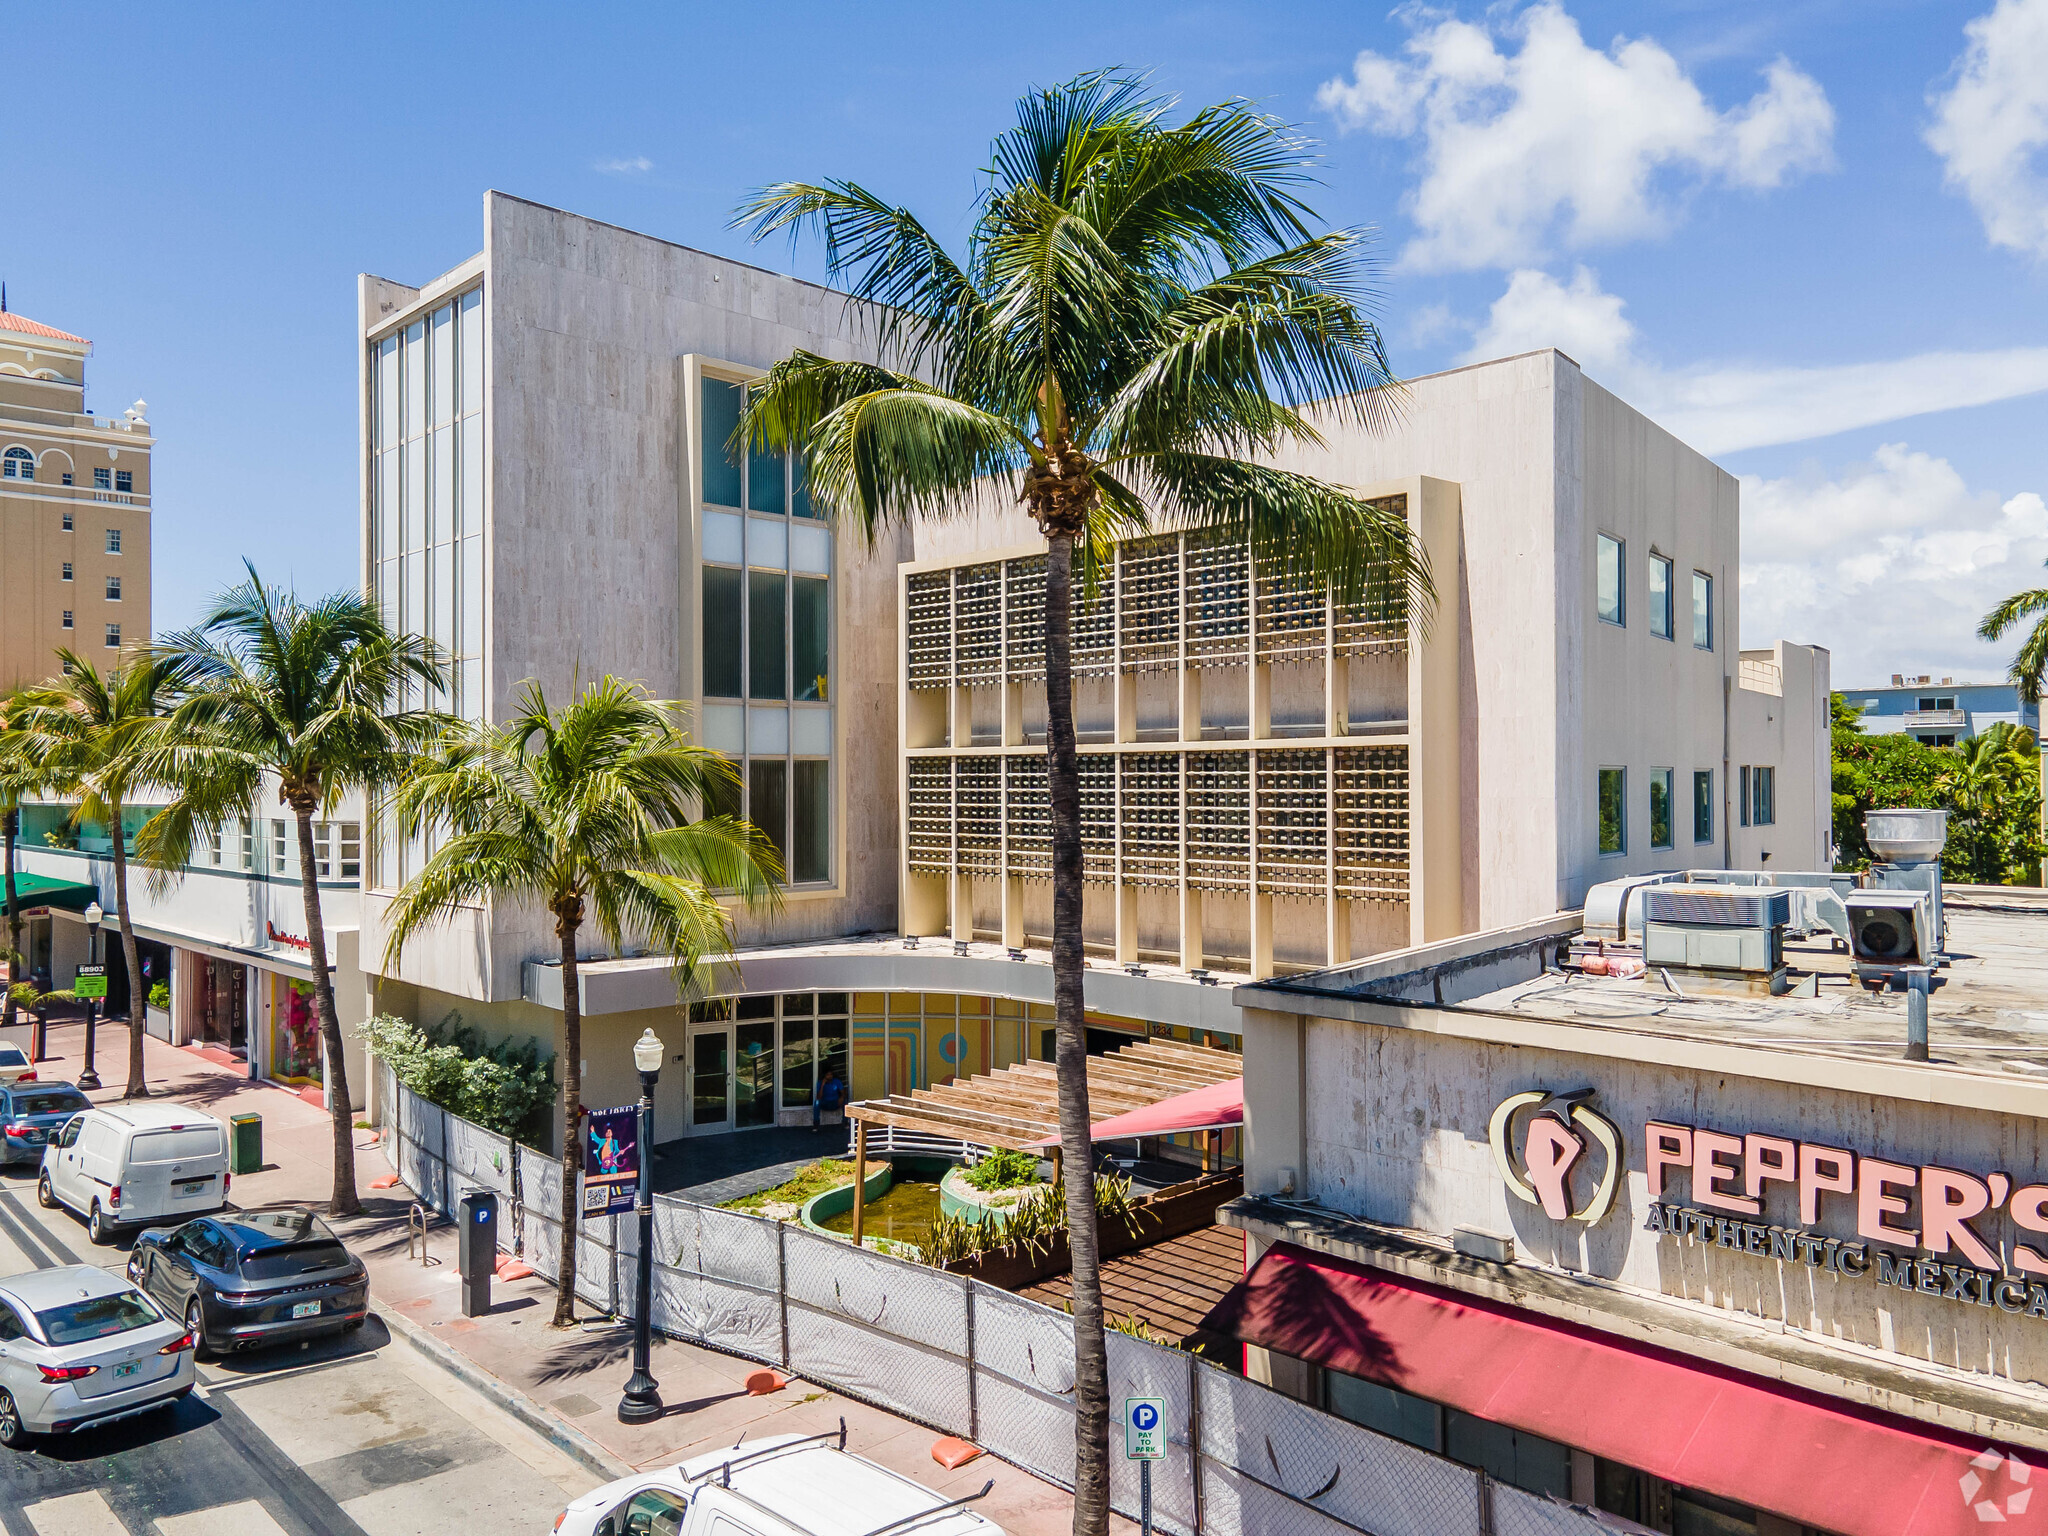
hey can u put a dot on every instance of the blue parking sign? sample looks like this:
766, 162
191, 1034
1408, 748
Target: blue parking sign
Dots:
1144, 1428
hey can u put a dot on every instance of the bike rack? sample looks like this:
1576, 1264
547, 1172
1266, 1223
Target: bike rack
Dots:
416, 1230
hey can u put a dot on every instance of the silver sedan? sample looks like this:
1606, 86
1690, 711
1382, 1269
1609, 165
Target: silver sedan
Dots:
80, 1347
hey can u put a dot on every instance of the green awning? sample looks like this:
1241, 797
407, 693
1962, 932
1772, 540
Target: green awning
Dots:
47, 891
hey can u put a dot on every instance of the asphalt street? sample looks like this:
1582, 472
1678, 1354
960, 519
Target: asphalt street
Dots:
358, 1435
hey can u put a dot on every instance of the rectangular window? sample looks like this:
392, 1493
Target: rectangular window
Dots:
721, 632
1742, 794
766, 491
1703, 806
766, 655
1660, 597
811, 853
124, 479
768, 801
113, 589
113, 541
248, 842
810, 631
800, 490
1925, 702
832, 1056
799, 1058
67, 570
348, 849
67, 481
67, 517
67, 618
1609, 577
277, 847
721, 419
1613, 810
103, 479
1945, 703
1764, 783
1660, 807
1702, 610
113, 637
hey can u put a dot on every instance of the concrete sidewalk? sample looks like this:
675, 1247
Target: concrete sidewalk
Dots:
570, 1378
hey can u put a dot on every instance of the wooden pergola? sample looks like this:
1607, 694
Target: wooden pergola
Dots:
1018, 1107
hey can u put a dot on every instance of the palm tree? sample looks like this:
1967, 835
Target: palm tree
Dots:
275, 688
2030, 662
1991, 767
18, 778
91, 735
1143, 314
586, 812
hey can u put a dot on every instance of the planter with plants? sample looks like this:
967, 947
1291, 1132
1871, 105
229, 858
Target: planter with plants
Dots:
990, 1190
157, 1011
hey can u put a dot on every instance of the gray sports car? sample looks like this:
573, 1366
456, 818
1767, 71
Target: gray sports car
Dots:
243, 1279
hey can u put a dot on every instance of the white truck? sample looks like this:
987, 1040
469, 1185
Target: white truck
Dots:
786, 1485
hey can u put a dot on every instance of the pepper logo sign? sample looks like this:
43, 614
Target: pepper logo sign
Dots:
1537, 1151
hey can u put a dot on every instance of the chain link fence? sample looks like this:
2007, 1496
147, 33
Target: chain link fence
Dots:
970, 1360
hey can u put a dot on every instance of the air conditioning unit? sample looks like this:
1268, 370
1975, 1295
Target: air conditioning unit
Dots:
1614, 908
1719, 933
1888, 931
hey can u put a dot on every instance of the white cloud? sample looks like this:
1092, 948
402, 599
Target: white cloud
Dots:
1721, 407
1991, 125
1561, 140
1890, 565
637, 165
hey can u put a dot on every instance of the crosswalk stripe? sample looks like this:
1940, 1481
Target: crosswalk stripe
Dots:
76, 1514
248, 1518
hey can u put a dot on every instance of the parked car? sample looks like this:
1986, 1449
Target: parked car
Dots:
80, 1347
15, 1067
126, 1165
31, 1113
786, 1485
244, 1279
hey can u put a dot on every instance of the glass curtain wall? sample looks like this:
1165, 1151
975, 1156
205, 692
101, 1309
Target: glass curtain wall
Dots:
767, 637
426, 506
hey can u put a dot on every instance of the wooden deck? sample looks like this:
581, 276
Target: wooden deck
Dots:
1170, 1286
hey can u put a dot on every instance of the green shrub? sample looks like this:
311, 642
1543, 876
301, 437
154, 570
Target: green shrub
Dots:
504, 1088
1003, 1169
160, 997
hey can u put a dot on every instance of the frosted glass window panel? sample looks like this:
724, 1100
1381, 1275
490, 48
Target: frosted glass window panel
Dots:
722, 632
444, 632
472, 351
725, 728
765, 489
390, 508
388, 589
723, 533
387, 392
415, 458
810, 550
441, 521
415, 590
443, 403
768, 544
473, 475
767, 732
472, 690
415, 379
810, 638
472, 598
720, 417
811, 845
811, 733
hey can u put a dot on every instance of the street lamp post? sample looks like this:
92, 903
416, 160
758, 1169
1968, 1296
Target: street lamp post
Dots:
642, 1402
94, 914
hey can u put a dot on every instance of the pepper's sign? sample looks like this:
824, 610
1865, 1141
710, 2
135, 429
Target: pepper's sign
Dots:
1537, 1162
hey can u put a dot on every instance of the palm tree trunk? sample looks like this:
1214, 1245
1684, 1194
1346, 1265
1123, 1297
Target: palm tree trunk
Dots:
138, 999
342, 1199
572, 1123
10, 829
1063, 781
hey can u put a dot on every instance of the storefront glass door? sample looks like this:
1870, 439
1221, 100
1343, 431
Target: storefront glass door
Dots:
754, 1074
710, 1080
732, 1076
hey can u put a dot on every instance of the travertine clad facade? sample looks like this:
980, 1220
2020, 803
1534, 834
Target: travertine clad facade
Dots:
74, 509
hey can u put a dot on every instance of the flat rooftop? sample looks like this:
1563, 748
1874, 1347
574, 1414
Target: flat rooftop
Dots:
1987, 1014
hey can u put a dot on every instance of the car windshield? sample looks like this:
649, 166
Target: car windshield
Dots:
51, 1101
98, 1317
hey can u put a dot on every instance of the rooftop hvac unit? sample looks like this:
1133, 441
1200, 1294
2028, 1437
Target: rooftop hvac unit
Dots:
1614, 909
1888, 931
1730, 933
1907, 844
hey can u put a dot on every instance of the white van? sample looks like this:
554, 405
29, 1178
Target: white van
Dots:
131, 1165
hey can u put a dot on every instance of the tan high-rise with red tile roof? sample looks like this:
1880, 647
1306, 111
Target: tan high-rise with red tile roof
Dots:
74, 509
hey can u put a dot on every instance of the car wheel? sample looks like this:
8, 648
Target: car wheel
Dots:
46, 1197
97, 1228
13, 1433
195, 1324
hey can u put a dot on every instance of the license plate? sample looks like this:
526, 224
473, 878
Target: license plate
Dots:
35, 1138
129, 1369
192, 1186
305, 1309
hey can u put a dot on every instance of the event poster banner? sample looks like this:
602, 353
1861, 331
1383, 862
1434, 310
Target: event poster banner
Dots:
611, 1160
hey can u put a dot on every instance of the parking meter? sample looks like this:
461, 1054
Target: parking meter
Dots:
476, 1247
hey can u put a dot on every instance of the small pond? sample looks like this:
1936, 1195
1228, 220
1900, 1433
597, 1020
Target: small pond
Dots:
904, 1212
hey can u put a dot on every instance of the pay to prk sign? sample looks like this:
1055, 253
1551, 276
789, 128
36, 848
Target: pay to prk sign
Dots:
1144, 1428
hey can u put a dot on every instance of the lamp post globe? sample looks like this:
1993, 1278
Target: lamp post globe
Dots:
95, 914
641, 1403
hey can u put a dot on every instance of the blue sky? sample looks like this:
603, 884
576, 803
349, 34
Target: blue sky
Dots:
1811, 237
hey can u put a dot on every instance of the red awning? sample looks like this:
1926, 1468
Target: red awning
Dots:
1791, 1452
1218, 1107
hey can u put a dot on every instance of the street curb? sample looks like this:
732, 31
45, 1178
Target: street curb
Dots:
564, 1437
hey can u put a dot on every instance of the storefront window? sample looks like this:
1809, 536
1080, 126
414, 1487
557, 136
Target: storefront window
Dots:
294, 1032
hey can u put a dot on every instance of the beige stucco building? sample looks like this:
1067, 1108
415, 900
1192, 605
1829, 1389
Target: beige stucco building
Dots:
74, 509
